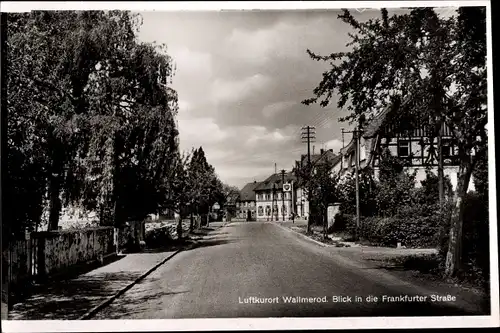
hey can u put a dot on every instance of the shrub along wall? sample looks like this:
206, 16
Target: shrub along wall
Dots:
413, 226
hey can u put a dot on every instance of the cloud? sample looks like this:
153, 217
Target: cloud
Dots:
230, 91
260, 135
192, 63
334, 144
275, 109
241, 78
199, 131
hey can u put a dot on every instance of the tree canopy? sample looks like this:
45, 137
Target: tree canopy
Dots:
424, 66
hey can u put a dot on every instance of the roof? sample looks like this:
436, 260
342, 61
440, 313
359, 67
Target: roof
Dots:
327, 155
376, 123
274, 179
247, 193
232, 197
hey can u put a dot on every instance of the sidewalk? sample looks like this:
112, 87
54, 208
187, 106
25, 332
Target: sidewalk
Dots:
71, 299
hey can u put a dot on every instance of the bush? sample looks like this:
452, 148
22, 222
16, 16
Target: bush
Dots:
157, 238
341, 222
409, 226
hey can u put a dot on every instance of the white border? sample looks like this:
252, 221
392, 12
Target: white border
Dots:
14, 6
283, 323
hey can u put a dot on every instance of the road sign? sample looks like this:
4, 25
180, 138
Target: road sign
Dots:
287, 187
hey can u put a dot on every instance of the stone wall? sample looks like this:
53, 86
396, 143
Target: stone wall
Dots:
59, 250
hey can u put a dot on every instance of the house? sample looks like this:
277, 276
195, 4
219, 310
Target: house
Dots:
230, 207
409, 140
274, 198
324, 157
246, 203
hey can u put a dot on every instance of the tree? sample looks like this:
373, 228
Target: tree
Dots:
323, 185
426, 67
90, 117
318, 179
202, 182
395, 185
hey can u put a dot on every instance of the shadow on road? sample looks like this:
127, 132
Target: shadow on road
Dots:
71, 299
212, 242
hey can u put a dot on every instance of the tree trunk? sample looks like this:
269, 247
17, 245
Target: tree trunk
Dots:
191, 222
454, 254
55, 201
179, 227
55, 182
325, 222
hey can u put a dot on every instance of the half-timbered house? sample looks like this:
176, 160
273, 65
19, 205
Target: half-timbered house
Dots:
412, 141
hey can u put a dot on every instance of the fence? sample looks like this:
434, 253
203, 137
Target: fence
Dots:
46, 254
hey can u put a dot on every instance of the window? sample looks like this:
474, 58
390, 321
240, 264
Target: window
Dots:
447, 149
403, 149
261, 211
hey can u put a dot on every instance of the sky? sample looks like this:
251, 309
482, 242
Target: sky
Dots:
241, 77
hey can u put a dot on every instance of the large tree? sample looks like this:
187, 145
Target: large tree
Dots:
91, 120
202, 185
425, 67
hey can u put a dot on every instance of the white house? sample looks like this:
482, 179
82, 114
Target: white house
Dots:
414, 144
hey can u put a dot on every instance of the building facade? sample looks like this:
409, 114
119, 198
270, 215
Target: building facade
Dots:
414, 144
246, 203
274, 198
301, 197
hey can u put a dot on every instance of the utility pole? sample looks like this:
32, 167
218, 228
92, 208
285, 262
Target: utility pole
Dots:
283, 194
356, 135
440, 166
272, 202
342, 157
308, 136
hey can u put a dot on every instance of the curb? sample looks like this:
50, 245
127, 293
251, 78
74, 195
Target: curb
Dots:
110, 299
301, 235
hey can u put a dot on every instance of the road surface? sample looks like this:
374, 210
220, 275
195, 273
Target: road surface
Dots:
258, 269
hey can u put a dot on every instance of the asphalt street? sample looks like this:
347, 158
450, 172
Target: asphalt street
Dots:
256, 269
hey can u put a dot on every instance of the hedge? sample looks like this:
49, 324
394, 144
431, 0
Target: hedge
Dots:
409, 227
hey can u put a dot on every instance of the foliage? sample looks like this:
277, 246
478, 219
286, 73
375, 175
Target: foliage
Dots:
225, 193
394, 190
318, 180
91, 120
202, 182
409, 227
410, 62
428, 193
158, 237
367, 190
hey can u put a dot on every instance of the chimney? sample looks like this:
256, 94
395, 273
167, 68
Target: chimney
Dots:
321, 151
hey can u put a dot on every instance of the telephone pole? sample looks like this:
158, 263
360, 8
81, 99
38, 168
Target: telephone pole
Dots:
356, 135
272, 202
283, 194
309, 136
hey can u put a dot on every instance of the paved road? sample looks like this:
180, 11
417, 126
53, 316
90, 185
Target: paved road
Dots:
262, 260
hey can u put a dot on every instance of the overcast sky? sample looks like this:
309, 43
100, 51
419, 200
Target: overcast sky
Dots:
241, 77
